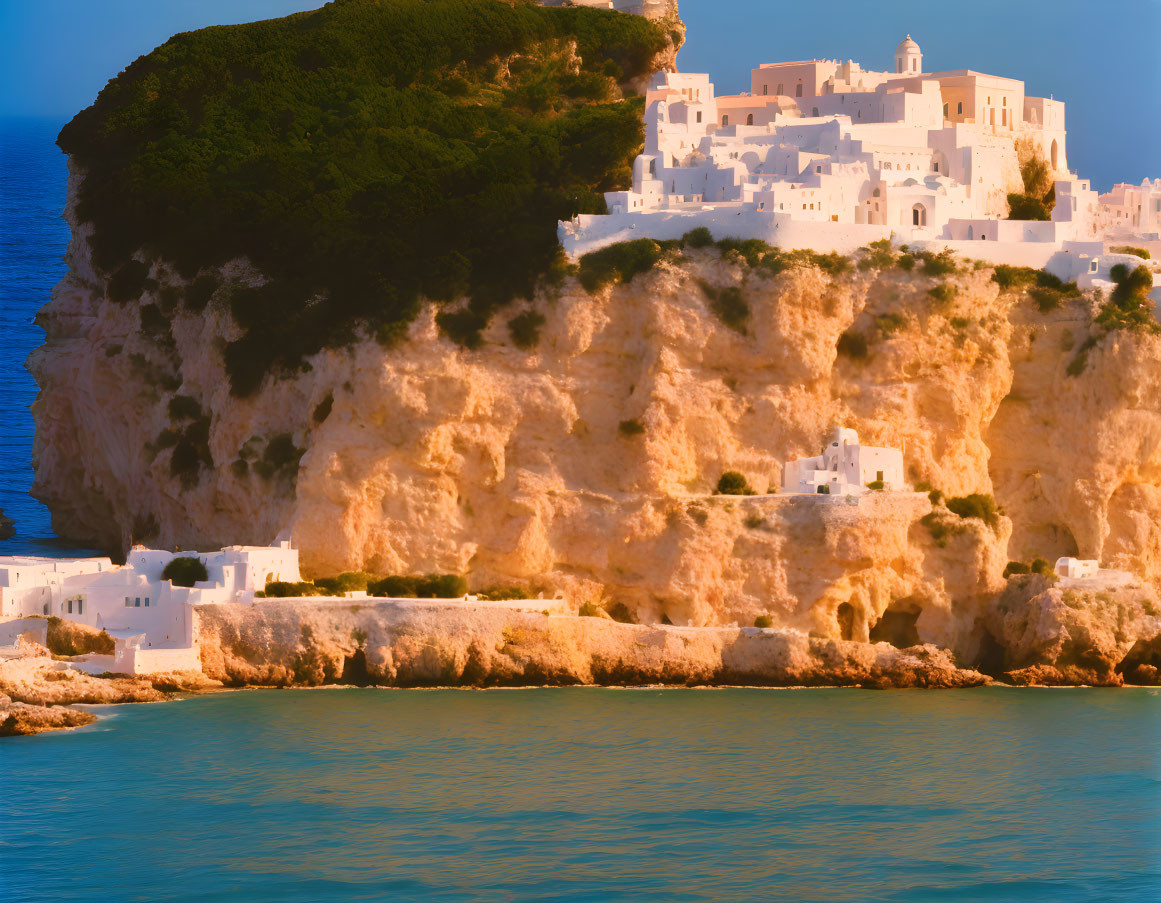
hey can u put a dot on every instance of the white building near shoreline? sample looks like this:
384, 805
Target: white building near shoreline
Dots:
150, 619
845, 468
827, 155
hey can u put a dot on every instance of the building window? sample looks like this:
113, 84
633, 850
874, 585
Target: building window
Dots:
128, 602
146, 601
1092, 265
945, 106
137, 602
70, 605
818, 169
814, 111
750, 119
959, 109
798, 90
725, 120
781, 88
765, 89
1005, 101
699, 115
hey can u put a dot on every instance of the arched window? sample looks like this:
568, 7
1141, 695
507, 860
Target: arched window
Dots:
749, 119
919, 215
1054, 154
725, 120
960, 109
814, 111
971, 233
798, 89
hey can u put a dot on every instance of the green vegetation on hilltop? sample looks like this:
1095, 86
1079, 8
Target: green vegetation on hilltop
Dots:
361, 156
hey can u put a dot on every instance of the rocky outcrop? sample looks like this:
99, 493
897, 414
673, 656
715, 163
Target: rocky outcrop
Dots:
7, 527
36, 690
1059, 635
420, 644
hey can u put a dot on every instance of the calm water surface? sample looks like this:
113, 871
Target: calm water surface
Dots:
584, 794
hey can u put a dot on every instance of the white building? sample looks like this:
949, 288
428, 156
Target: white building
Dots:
1076, 567
845, 468
831, 156
150, 619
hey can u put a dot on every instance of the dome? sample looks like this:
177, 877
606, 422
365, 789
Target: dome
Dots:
907, 46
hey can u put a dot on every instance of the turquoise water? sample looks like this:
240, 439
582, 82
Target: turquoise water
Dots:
583, 794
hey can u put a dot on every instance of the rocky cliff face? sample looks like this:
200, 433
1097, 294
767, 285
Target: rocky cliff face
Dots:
585, 464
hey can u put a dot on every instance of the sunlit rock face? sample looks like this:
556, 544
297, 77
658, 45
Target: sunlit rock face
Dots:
586, 464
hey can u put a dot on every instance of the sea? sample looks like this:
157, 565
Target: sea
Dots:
338, 794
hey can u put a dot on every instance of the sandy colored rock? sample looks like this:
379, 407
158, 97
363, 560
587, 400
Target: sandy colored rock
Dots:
414, 644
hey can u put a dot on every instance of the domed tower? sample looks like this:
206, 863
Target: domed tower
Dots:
908, 57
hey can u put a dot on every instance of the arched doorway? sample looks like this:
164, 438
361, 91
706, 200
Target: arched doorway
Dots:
971, 233
919, 215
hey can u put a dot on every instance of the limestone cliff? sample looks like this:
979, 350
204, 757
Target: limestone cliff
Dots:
584, 462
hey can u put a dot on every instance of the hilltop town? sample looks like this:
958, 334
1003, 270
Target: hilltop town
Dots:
829, 156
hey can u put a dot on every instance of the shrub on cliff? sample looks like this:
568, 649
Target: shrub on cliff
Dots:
346, 582
185, 571
763, 621
619, 263
852, 344
729, 305
430, 586
1129, 249
733, 483
525, 329
278, 589
363, 156
976, 505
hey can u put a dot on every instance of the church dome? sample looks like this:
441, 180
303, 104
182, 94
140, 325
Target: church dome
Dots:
908, 57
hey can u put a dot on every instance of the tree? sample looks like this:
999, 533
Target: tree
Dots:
185, 571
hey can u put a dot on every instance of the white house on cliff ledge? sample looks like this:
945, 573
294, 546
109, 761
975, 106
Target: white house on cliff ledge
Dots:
828, 155
845, 468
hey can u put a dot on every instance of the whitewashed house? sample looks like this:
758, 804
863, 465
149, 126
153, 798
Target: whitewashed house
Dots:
150, 619
1076, 567
845, 468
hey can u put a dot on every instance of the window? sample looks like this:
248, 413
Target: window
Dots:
128, 602
699, 115
1092, 265
146, 601
1005, 101
749, 119
937, 166
781, 88
959, 110
70, 605
945, 106
765, 89
875, 193
798, 90
137, 602
814, 111
725, 120
818, 169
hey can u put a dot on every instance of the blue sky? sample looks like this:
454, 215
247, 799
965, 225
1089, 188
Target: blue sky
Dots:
1101, 58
